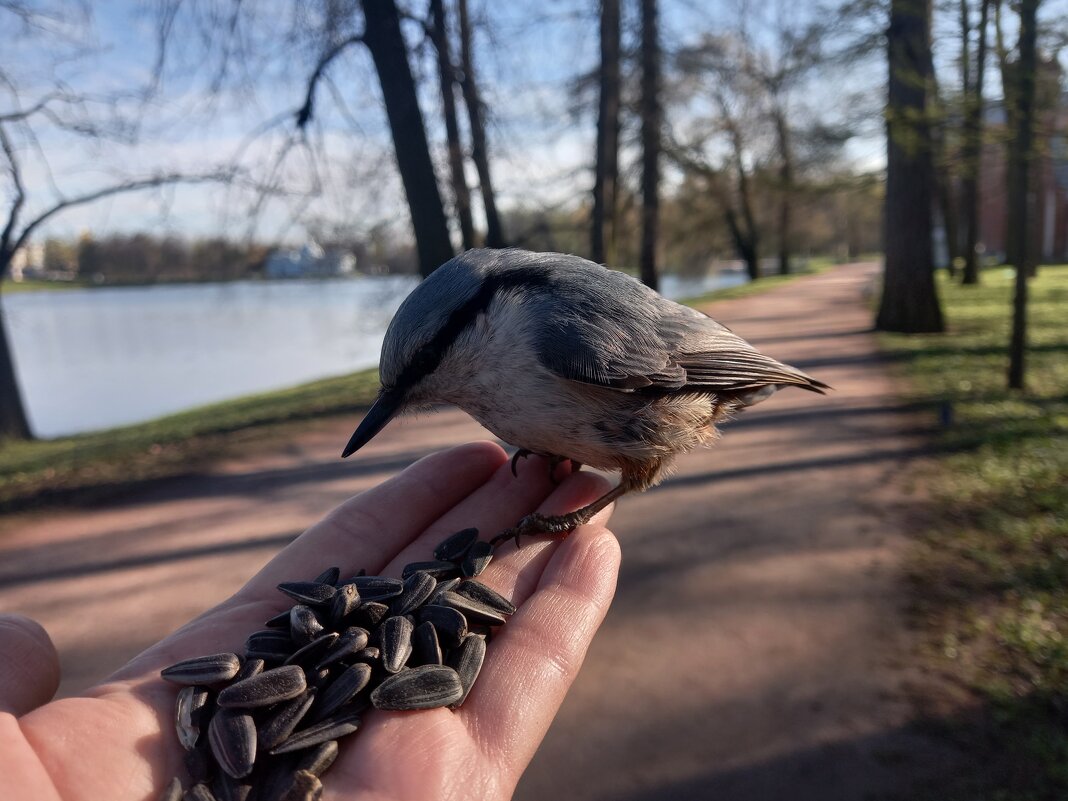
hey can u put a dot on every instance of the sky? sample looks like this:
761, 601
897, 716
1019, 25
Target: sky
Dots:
528, 56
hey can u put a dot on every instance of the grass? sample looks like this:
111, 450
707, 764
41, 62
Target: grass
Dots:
102, 463
88, 465
991, 569
14, 287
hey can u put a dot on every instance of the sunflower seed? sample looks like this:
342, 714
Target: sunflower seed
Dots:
342, 690
477, 591
426, 650
274, 782
252, 667
173, 791
309, 592
477, 559
437, 569
318, 759
314, 650
275, 729
395, 642
377, 588
467, 662
304, 625
279, 621
453, 548
227, 788
417, 588
450, 624
423, 687
270, 687
371, 613
352, 640
443, 586
270, 641
332, 728
191, 714
199, 792
203, 669
305, 787
232, 735
199, 764
328, 576
346, 602
370, 655
474, 611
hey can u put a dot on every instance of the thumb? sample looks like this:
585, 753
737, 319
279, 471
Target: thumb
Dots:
29, 665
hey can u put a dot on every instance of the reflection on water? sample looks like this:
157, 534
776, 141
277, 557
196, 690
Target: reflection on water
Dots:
96, 358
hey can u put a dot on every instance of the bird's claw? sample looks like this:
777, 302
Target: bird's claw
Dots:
522, 453
554, 462
532, 524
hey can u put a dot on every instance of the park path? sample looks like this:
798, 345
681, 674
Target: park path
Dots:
756, 648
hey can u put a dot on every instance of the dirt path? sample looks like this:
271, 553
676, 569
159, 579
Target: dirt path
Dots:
756, 646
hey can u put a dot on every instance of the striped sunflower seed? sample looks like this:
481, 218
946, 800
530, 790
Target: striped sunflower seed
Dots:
304, 625
203, 669
426, 650
304, 787
395, 642
424, 687
418, 587
199, 792
191, 714
467, 662
309, 592
227, 788
453, 548
270, 640
274, 730
477, 591
199, 764
477, 559
371, 654
377, 588
266, 689
317, 760
346, 601
332, 728
450, 624
328, 576
436, 568
173, 791
314, 650
352, 640
232, 736
279, 621
474, 611
252, 667
342, 690
444, 586
371, 613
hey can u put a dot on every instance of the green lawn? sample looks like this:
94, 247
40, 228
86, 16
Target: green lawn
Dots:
36, 472
14, 287
991, 568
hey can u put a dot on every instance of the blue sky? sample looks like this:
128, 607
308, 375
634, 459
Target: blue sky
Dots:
528, 59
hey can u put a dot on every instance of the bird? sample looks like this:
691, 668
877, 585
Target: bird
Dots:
560, 356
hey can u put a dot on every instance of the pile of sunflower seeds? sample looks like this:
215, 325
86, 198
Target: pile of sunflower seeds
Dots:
265, 726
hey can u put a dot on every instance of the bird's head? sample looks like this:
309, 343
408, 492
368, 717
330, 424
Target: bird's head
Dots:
418, 353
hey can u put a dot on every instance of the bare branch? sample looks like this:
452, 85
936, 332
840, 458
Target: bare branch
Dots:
20, 194
305, 112
221, 176
21, 114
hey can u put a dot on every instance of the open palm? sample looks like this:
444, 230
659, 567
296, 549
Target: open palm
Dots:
118, 742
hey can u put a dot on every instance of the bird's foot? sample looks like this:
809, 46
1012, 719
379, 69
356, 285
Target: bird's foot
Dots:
536, 523
554, 462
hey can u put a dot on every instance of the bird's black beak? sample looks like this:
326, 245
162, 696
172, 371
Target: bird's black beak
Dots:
380, 413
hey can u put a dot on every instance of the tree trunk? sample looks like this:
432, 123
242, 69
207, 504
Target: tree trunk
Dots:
973, 144
651, 121
745, 243
447, 78
1021, 153
943, 175
909, 301
479, 150
606, 169
13, 422
384, 40
786, 185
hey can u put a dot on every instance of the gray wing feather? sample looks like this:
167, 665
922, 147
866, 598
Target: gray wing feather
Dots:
612, 331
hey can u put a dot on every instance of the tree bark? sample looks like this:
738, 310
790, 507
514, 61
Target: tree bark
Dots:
606, 169
973, 142
786, 185
383, 38
909, 301
479, 149
447, 76
1021, 152
651, 144
13, 422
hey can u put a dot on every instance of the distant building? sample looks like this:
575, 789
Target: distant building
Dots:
310, 261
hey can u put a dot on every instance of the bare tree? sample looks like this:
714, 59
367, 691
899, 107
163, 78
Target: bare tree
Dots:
476, 114
447, 77
606, 169
1021, 200
909, 302
651, 116
972, 134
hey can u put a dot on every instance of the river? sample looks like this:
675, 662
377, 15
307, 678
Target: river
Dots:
91, 359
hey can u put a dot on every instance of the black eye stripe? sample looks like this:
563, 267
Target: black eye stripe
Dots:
427, 359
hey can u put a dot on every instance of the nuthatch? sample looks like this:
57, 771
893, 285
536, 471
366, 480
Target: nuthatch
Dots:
562, 357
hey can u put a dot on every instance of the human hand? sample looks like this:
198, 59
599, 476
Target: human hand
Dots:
117, 741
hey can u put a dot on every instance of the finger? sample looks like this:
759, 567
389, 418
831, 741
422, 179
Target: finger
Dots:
537, 655
29, 665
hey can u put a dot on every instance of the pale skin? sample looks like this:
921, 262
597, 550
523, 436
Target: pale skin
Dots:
117, 740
